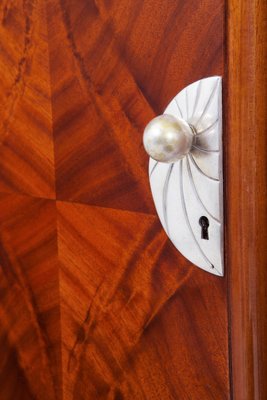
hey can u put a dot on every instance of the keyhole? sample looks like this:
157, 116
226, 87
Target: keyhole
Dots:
204, 223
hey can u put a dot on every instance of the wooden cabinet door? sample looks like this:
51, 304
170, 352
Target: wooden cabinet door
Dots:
95, 301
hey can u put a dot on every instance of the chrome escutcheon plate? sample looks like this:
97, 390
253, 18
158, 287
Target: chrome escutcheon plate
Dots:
192, 187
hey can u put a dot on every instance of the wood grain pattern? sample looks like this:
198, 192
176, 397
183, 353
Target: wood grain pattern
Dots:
117, 304
96, 302
29, 310
107, 62
246, 170
26, 142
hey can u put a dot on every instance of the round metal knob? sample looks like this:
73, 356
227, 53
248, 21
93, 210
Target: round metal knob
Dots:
167, 138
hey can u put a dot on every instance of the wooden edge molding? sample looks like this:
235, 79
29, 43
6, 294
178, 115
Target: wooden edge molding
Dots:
245, 172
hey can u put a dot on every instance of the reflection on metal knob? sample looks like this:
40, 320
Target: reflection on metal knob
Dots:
168, 138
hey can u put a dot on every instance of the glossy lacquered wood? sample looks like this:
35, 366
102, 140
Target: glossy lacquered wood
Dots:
26, 142
246, 193
96, 303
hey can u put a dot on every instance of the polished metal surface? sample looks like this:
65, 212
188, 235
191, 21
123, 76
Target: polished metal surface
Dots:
188, 187
168, 138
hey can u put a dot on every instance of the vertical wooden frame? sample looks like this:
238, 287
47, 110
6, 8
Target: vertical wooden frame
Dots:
245, 164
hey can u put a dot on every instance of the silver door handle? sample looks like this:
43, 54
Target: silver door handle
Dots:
185, 172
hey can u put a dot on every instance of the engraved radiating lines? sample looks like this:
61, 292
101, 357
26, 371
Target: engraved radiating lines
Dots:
200, 170
196, 191
186, 101
153, 168
186, 227
179, 108
195, 146
198, 91
208, 102
208, 128
165, 195
187, 218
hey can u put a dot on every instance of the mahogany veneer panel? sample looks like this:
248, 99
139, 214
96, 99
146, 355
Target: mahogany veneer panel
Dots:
29, 303
96, 302
26, 143
113, 66
114, 293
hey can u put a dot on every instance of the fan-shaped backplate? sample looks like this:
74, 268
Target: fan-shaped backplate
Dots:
193, 187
